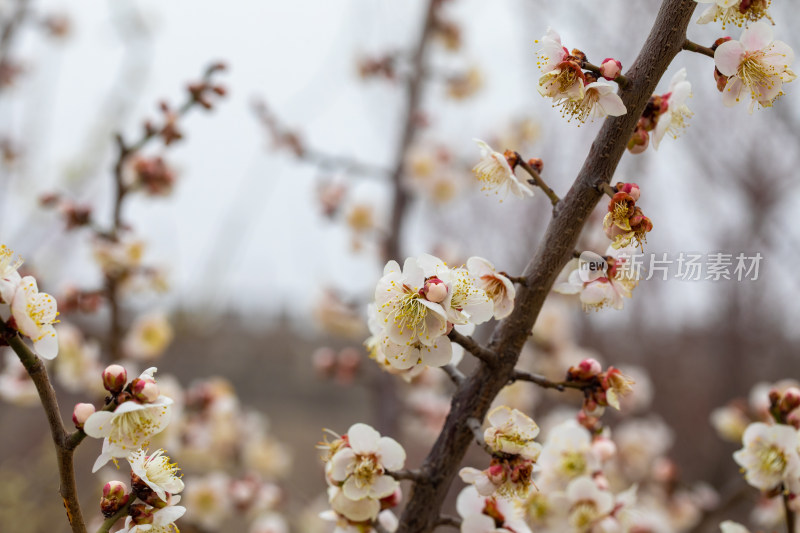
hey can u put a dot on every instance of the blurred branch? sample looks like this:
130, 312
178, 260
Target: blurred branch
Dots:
454, 373
472, 346
450, 521
474, 397
64, 453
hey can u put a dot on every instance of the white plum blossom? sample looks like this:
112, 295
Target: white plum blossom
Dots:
148, 336
361, 466
770, 456
607, 291
494, 172
156, 472
9, 279
497, 286
464, 303
407, 316
386, 519
585, 503
567, 454
755, 64
729, 12
562, 78
673, 120
163, 520
129, 427
208, 500
363, 510
34, 314
512, 432
600, 99
480, 514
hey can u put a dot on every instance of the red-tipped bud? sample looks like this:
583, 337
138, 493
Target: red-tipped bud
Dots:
115, 496
631, 188
638, 141
537, 164
114, 378
721, 80
719, 42
512, 158
141, 515
81, 413
790, 400
392, 500
145, 390
434, 290
496, 474
610, 69
586, 369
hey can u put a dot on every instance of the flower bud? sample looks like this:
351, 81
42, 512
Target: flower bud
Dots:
631, 189
80, 413
392, 500
434, 290
496, 474
115, 496
537, 164
588, 368
610, 68
141, 515
144, 390
790, 400
639, 141
114, 378
721, 79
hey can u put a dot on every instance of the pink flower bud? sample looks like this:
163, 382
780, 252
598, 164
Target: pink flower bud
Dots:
639, 141
114, 378
392, 500
144, 390
790, 400
115, 496
604, 448
610, 68
496, 474
80, 413
630, 188
588, 368
435, 290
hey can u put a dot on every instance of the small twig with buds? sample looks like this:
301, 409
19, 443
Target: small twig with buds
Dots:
542, 381
451, 521
412, 475
475, 426
472, 346
64, 453
607, 189
537, 180
621, 80
455, 374
106, 526
700, 49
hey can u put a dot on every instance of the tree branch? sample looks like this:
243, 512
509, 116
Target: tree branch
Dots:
412, 475
542, 381
474, 397
470, 345
455, 374
694, 47
66, 470
451, 521
538, 181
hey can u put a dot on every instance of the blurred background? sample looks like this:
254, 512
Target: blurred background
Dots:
282, 208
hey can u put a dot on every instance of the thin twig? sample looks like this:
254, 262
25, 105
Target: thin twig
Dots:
621, 80
472, 346
108, 523
538, 181
475, 426
519, 375
66, 470
694, 47
522, 280
607, 189
412, 475
455, 374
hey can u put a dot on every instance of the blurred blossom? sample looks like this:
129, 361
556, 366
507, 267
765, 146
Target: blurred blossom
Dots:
207, 499
337, 317
148, 336
16, 386
118, 257
78, 368
640, 442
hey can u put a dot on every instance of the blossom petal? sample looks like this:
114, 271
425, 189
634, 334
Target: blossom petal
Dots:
756, 36
363, 439
392, 455
728, 56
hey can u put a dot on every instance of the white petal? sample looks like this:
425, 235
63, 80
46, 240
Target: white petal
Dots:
383, 487
98, 425
728, 57
392, 455
756, 36
363, 439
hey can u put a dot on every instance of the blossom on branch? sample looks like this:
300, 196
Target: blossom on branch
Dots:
497, 286
33, 314
674, 111
496, 174
480, 514
755, 63
738, 12
154, 472
770, 456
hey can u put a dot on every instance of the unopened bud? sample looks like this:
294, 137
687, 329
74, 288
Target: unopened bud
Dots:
512, 158
610, 68
719, 42
790, 400
537, 164
586, 369
144, 390
81, 413
638, 141
721, 79
631, 188
392, 500
434, 290
141, 515
114, 378
496, 474
115, 496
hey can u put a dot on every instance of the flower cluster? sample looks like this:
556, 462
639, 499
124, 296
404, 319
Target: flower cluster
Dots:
755, 64
416, 307
664, 113
625, 221
580, 95
24, 309
357, 467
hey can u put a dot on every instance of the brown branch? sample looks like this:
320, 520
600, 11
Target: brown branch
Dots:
515, 279
519, 375
472, 346
538, 181
621, 80
606, 189
694, 47
451, 521
412, 475
474, 397
64, 453
454, 374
